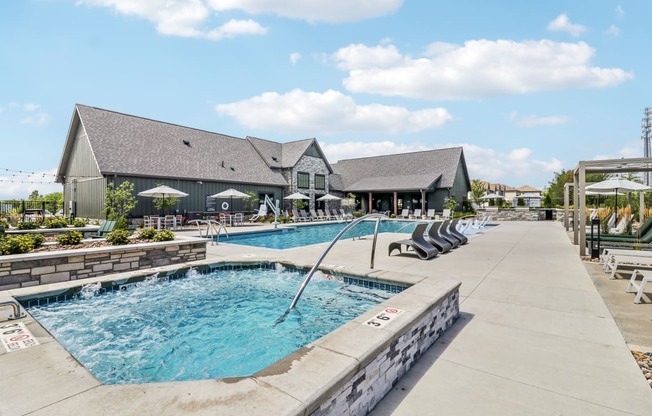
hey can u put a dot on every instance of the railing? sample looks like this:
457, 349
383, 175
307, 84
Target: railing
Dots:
213, 229
330, 246
18, 311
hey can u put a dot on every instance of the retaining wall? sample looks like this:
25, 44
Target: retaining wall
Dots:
23, 270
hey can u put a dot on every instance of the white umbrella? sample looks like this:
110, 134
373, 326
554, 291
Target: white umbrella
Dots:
230, 193
615, 184
297, 195
163, 191
328, 197
493, 196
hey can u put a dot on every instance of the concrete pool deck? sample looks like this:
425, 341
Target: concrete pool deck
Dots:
534, 334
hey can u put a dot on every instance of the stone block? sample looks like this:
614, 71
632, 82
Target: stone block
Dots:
21, 271
55, 277
69, 267
44, 270
102, 267
121, 267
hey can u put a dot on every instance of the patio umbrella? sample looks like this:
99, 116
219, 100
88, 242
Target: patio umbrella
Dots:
615, 184
297, 195
328, 197
230, 193
163, 191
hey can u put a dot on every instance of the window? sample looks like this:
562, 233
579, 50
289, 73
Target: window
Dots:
320, 181
303, 180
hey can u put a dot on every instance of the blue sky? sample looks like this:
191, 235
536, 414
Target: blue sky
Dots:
528, 88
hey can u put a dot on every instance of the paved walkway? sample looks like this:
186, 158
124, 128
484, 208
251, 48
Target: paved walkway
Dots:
534, 336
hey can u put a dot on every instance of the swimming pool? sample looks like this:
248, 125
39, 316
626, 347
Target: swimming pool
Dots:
303, 235
213, 325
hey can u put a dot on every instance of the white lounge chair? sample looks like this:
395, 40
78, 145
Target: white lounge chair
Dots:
646, 276
431, 214
262, 211
608, 253
446, 214
619, 260
346, 215
405, 213
622, 225
417, 213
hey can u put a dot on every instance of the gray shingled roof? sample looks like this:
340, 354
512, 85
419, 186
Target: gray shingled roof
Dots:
269, 151
293, 151
130, 145
404, 171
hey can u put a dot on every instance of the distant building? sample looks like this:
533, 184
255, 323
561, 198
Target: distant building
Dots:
104, 147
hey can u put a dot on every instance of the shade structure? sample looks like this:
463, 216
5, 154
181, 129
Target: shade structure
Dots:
163, 191
492, 196
328, 197
230, 193
297, 195
615, 185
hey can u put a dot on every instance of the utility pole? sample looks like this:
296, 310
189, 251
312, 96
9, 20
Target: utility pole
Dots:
646, 132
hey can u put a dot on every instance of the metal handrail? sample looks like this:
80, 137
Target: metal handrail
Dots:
18, 312
210, 229
328, 249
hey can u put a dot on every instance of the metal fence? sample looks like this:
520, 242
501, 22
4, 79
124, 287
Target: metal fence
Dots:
23, 207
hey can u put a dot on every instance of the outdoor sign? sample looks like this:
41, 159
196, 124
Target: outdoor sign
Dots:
211, 204
16, 337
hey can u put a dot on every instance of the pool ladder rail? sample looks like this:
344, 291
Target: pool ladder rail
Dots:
19, 312
350, 225
212, 231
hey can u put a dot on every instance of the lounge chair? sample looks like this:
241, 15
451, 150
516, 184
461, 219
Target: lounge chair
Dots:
335, 215
345, 215
443, 231
619, 260
431, 214
324, 214
296, 217
437, 240
262, 212
643, 235
405, 213
418, 243
417, 213
639, 288
455, 233
607, 255
315, 217
446, 214
621, 226
105, 228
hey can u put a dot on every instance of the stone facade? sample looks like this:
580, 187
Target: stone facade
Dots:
360, 394
25, 270
312, 165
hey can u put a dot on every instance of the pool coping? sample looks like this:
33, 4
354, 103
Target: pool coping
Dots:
296, 385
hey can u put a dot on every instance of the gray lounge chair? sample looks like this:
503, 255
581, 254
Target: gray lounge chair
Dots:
418, 243
447, 235
455, 233
437, 240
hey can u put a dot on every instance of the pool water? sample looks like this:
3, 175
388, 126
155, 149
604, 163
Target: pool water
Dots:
314, 234
221, 324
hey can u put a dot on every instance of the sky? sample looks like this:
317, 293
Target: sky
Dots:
526, 88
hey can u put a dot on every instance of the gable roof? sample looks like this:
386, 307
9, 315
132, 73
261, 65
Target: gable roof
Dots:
284, 155
403, 171
528, 188
135, 146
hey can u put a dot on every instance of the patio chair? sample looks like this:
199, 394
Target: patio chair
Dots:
345, 215
431, 214
262, 211
336, 215
324, 215
418, 243
405, 213
105, 228
455, 233
315, 217
443, 231
417, 213
621, 226
446, 214
437, 240
619, 260
643, 235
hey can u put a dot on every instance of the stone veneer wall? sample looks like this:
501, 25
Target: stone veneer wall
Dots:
518, 214
360, 394
25, 270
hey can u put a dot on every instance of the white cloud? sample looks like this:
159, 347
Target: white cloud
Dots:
328, 113
31, 107
620, 12
331, 11
613, 30
514, 168
563, 24
532, 121
185, 18
477, 69
37, 119
294, 57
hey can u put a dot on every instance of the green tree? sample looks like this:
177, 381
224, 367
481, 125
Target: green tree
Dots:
34, 195
477, 191
119, 202
547, 201
55, 199
163, 204
248, 202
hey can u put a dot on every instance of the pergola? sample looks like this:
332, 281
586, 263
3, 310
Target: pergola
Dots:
633, 165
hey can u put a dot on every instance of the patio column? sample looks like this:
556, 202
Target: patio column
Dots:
423, 201
641, 207
566, 204
582, 208
371, 198
575, 204
395, 203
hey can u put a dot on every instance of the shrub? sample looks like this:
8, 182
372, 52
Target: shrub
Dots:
147, 233
118, 237
17, 244
53, 222
37, 239
121, 223
79, 222
164, 235
26, 225
4, 223
70, 238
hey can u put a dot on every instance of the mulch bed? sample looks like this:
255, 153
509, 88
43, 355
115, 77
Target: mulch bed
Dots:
83, 244
644, 360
